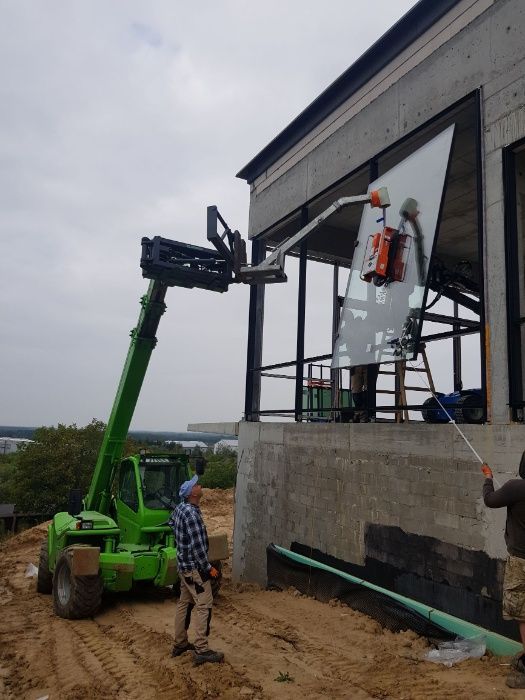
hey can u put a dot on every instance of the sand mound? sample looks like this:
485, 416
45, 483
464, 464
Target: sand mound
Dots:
277, 645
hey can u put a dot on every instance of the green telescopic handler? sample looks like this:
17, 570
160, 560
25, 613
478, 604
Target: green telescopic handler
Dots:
118, 535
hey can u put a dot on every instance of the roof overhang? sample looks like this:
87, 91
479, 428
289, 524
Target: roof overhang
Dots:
400, 36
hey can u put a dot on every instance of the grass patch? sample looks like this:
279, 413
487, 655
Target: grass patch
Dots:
284, 678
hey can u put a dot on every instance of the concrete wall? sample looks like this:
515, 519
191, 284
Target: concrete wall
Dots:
321, 485
325, 486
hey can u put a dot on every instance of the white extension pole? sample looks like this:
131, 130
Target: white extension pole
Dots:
451, 420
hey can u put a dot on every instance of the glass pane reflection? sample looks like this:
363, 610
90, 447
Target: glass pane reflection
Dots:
381, 314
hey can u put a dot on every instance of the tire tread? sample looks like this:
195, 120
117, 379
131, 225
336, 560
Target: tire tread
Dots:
44, 579
86, 592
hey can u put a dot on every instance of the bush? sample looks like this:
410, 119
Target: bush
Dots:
60, 459
221, 471
8, 478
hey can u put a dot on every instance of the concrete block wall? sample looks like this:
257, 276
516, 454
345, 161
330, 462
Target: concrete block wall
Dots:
323, 485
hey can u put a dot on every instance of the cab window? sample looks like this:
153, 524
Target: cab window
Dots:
128, 486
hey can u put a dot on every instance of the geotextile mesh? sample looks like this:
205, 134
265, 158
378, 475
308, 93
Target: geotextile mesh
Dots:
284, 572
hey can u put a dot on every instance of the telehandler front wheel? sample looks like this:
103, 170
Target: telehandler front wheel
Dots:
74, 597
44, 579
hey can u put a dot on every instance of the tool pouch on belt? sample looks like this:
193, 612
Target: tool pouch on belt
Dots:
205, 575
192, 582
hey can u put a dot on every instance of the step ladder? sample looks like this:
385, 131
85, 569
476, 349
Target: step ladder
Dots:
401, 388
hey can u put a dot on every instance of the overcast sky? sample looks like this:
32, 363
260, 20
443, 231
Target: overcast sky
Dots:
125, 119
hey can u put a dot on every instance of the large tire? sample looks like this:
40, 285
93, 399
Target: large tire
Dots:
429, 415
216, 582
44, 579
465, 412
74, 597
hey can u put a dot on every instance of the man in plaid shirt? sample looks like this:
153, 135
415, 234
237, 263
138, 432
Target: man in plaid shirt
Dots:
195, 572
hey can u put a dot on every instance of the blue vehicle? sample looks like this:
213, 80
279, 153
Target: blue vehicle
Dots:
464, 406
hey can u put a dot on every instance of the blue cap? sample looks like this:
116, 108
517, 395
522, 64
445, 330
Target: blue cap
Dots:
187, 486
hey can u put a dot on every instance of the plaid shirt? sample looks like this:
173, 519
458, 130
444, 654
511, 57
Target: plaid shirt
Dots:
191, 538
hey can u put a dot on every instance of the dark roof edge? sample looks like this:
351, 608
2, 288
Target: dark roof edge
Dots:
403, 33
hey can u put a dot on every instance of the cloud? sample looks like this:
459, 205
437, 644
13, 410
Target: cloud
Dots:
121, 120
147, 34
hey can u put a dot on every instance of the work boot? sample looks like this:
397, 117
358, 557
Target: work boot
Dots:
177, 651
207, 657
517, 663
515, 680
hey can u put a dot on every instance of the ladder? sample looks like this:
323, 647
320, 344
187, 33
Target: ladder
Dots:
401, 388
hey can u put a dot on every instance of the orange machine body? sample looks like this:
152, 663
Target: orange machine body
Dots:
386, 257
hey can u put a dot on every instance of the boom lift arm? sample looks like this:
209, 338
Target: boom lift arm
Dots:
272, 268
142, 343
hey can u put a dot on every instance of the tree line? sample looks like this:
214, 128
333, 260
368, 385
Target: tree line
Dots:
39, 476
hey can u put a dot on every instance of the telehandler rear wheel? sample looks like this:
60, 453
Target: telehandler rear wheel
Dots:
44, 579
74, 597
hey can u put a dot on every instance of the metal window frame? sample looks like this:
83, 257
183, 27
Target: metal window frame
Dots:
252, 397
481, 247
301, 317
514, 318
255, 369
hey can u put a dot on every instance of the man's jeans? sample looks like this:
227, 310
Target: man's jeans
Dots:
194, 593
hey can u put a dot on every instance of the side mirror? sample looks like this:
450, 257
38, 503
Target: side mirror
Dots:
74, 505
200, 465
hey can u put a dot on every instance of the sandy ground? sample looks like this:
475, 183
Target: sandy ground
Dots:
325, 651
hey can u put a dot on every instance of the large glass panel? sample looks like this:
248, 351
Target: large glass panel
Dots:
382, 311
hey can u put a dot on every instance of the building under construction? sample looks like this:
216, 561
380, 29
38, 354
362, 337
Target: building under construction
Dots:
396, 497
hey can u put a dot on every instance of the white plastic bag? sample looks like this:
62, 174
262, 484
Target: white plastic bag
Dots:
450, 653
31, 571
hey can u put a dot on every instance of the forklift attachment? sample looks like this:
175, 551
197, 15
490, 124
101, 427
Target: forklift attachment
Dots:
179, 264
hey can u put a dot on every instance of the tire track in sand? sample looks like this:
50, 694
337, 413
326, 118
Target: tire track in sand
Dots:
181, 679
309, 662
